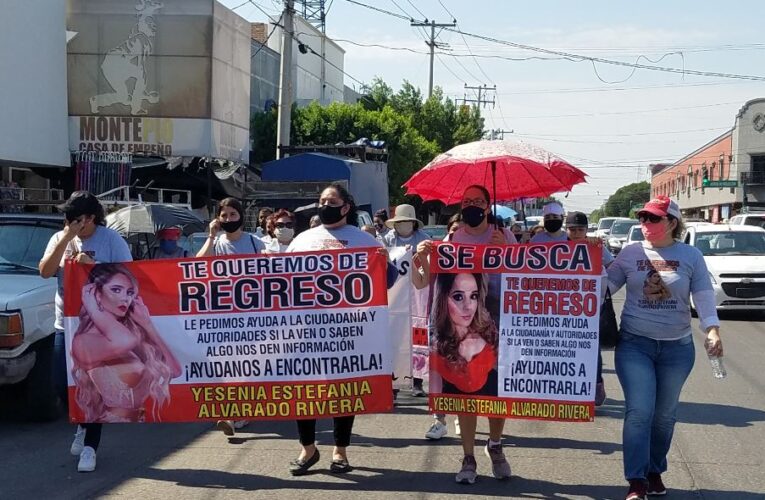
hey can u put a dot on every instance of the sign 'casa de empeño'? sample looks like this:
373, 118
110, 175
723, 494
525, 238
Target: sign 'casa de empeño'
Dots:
159, 77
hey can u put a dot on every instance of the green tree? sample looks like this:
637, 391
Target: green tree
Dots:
415, 130
621, 203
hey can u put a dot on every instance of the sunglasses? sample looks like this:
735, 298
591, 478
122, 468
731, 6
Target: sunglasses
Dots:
282, 225
643, 218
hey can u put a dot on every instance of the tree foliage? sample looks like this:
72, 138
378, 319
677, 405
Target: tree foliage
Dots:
415, 129
621, 203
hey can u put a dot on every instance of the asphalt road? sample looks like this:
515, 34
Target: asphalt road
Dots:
717, 452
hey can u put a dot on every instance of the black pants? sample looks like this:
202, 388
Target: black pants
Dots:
92, 435
599, 378
342, 431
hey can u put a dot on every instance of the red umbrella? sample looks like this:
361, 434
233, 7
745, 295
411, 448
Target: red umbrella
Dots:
513, 170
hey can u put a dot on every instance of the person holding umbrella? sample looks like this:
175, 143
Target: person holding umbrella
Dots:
476, 230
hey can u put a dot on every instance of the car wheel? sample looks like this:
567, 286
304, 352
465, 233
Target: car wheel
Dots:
41, 398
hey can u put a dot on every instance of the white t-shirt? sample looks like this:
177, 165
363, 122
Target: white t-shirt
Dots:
393, 239
104, 246
321, 238
246, 244
272, 245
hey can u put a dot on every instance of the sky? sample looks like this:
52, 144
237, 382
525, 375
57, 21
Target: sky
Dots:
608, 120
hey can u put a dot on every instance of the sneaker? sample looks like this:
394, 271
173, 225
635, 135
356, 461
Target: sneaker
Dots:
600, 394
467, 473
637, 490
226, 427
499, 464
79, 442
87, 460
656, 486
457, 431
238, 424
437, 431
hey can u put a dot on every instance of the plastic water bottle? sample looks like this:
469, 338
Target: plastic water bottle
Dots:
718, 368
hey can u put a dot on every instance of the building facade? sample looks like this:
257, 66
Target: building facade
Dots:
724, 177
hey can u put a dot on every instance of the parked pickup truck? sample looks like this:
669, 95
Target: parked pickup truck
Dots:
27, 313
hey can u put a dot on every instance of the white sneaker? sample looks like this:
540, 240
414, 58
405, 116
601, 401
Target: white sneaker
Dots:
87, 460
238, 424
436, 431
78, 443
457, 427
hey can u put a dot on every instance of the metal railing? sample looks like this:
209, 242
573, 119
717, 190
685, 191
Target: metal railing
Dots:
131, 195
14, 199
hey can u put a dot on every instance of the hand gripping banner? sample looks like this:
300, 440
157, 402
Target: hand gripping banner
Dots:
291, 336
514, 330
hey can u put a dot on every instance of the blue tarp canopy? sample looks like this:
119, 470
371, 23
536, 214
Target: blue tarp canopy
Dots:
367, 181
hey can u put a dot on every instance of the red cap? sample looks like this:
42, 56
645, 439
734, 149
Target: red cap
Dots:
661, 206
169, 233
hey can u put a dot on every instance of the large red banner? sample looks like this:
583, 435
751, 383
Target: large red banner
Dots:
289, 336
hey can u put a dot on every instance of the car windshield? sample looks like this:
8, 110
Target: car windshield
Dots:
755, 221
23, 245
605, 223
731, 243
636, 234
622, 227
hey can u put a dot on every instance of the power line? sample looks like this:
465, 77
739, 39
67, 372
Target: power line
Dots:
634, 111
311, 50
418, 10
268, 37
402, 10
383, 11
635, 65
447, 10
632, 134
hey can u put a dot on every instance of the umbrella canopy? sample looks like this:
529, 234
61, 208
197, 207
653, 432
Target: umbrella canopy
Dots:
149, 218
520, 169
504, 212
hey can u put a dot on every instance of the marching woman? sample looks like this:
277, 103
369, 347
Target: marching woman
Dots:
281, 231
86, 240
233, 241
338, 230
477, 230
655, 353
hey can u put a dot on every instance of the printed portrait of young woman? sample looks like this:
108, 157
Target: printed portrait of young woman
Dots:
120, 364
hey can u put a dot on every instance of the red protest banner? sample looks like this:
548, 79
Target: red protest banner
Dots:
515, 330
288, 336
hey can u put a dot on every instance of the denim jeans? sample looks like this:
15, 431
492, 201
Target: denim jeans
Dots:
59, 365
652, 374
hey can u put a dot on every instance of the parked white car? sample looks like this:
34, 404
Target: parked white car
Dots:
735, 257
604, 226
748, 220
618, 233
27, 312
635, 235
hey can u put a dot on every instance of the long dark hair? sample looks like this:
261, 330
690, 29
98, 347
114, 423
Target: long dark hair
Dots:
233, 203
447, 343
352, 217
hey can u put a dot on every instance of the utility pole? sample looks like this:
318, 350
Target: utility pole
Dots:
498, 134
285, 80
482, 91
432, 43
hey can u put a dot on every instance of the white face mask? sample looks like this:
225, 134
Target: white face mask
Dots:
284, 234
404, 229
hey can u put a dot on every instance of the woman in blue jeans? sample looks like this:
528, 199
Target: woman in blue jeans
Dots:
655, 353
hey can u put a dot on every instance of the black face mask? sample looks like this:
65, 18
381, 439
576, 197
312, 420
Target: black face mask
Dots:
553, 225
330, 215
473, 216
231, 226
